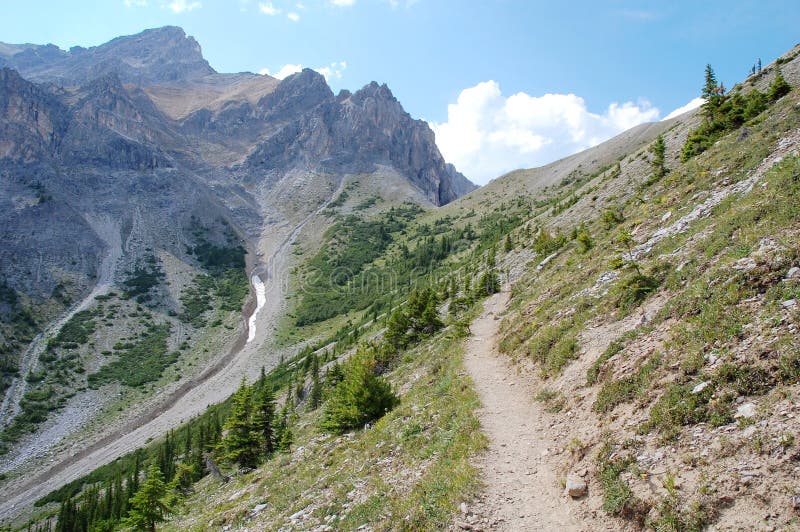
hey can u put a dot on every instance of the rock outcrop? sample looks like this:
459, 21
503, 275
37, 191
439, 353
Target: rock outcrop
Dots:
100, 133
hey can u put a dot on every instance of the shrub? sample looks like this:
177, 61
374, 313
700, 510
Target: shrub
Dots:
612, 217
546, 243
778, 88
360, 397
634, 289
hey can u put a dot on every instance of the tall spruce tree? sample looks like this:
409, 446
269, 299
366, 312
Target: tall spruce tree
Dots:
241, 443
147, 505
658, 164
264, 417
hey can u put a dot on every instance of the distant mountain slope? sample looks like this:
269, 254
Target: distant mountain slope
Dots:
133, 172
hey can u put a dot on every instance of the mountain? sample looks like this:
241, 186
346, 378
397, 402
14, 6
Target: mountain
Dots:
153, 56
638, 369
135, 180
111, 108
284, 323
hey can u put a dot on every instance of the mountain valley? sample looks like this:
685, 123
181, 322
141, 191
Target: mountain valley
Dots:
607, 342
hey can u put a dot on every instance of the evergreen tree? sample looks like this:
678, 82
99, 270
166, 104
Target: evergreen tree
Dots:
287, 439
184, 477
281, 429
397, 329
710, 85
241, 443
779, 87
264, 417
509, 245
584, 238
659, 149
711, 94
489, 284
147, 505
120, 503
360, 398
315, 395
67, 516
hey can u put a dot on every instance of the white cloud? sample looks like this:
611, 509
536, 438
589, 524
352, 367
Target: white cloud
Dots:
333, 71
294, 17
135, 3
267, 8
330, 72
342, 3
694, 104
284, 72
183, 6
488, 134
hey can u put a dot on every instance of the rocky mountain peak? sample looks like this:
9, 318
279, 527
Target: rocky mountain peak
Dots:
153, 56
374, 90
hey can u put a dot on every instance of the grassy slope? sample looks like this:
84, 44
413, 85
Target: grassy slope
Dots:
717, 318
409, 471
625, 370
552, 316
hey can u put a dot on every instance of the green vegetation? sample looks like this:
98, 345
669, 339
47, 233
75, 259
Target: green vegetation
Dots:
626, 389
140, 362
76, 331
618, 499
147, 506
417, 319
723, 113
17, 329
225, 284
360, 397
142, 280
658, 164
336, 280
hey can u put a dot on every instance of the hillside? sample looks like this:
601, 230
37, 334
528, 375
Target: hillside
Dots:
620, 325
144, 198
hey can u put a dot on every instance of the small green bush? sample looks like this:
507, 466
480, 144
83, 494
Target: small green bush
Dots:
361, 397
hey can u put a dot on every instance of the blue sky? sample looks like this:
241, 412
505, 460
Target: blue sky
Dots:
477, 70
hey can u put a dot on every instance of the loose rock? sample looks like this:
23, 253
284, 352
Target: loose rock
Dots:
576, 487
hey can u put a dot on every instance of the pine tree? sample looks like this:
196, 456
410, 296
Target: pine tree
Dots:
360, 398
711, 94
147, 505
264, 417
120, 504
287, 439
315, 395
659, 149
779, 87
489, 284
241, 443
710, 85
509, 245
397, 329
282, 427
184, 477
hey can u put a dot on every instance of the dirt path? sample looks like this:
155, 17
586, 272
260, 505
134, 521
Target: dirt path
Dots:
522, 492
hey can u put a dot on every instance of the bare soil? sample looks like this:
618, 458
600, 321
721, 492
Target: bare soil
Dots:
523, 490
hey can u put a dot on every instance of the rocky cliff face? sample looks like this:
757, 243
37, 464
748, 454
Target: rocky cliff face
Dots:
85, 135
350, 133
157, 55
